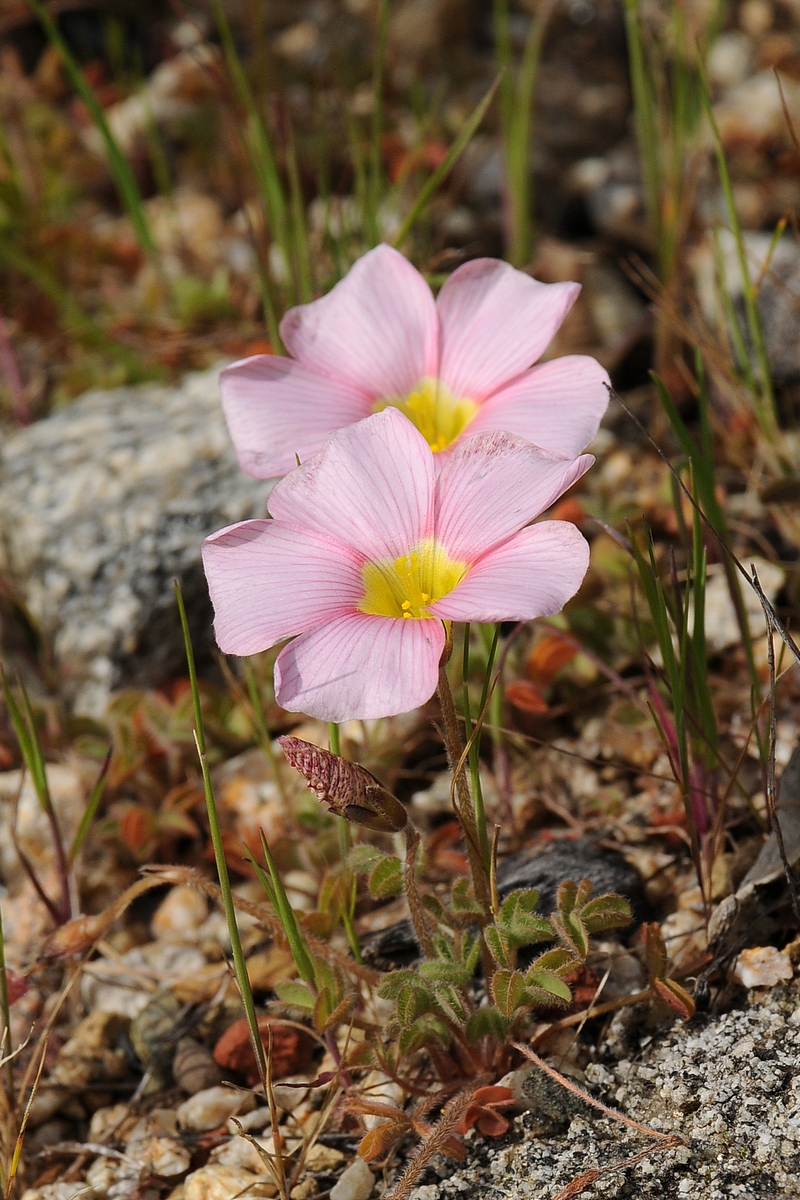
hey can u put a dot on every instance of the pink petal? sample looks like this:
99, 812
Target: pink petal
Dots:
376, 330
277, 410
495, 323
269, 581
493, 484
557, 405
371, 486
533, 574
360, 667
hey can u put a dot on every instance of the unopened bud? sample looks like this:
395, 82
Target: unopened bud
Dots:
350, 791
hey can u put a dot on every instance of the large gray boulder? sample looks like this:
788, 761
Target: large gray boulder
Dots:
101, 505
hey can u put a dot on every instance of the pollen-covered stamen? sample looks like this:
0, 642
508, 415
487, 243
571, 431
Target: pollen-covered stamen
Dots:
440, 416
408, 585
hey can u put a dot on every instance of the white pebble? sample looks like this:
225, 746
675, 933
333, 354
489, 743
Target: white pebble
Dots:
212, 1107
356, 1182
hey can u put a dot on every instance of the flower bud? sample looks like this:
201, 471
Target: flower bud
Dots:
348, 789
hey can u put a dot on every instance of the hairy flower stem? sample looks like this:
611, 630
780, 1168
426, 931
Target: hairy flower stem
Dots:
412, 893
462, 801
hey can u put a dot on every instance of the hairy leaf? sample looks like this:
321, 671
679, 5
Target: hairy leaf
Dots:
386, 879
296, 995
508, 989
487, 1021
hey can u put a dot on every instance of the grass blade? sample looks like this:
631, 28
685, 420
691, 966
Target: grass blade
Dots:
237, 951
429, 188
95, 796
763, 394
120, 167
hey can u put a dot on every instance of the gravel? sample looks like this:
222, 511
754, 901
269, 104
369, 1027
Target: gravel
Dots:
730, 1085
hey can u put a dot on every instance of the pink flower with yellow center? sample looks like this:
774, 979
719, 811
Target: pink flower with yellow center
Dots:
455, 366
370, 549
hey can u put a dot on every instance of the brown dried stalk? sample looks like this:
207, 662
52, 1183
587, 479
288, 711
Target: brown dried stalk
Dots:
582, 1182
452, 1113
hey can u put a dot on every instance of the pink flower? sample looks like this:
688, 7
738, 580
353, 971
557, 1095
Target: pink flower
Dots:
457, 365
370, 549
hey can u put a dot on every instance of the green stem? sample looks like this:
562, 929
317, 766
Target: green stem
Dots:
237, 951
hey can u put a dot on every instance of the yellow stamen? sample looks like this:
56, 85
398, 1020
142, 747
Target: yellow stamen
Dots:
405, 586
440, 416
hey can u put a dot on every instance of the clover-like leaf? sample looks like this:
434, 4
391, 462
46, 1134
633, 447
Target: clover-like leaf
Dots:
425, 1031
606, 912
393, 983
655, 952
380, 1139
487, 1021
548, 983
411, 1003
295, 994
436, 971
386, 878
462, 898
508, 989
558, 960
498, 946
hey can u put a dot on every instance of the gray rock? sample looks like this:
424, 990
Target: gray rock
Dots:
101, 505
730, 1085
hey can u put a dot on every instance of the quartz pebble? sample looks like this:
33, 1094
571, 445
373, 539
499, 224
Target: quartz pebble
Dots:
91, 1054
215, 1182
323, 1158
762, 966
212, 1108
356, 1183
179, 916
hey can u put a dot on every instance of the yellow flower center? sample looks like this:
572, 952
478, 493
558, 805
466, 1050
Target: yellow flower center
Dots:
440, 416
405, 586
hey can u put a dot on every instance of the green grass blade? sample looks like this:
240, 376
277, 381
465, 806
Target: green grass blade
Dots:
95, 796
237, 951
291, 926
118, 163
763, 396
645, 117
29, 744
431, 185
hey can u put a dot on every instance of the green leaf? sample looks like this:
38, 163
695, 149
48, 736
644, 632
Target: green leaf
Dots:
498, 948
426, 1030
411, 1003
364, 858
548, 982
296, 995
395, 981
508, 989
435, 907
386, 878
471, 953
524, 900
436, 971
573, 932
448, 1002
487, 1022
566, 898
606, 912
559, 960
462, 899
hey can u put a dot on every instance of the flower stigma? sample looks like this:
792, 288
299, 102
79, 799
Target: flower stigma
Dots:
406, 586
440, 416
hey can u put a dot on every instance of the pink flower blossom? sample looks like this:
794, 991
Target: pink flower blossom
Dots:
455, 366
371, 549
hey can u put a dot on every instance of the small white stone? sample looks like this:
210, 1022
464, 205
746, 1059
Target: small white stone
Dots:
356, 1182
215, 1182
323, 1158
163, 1155
212, 1107
179, 915
762, 966
259, 1118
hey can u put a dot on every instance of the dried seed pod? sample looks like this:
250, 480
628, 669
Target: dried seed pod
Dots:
193, 1067
349, 790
